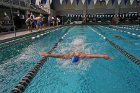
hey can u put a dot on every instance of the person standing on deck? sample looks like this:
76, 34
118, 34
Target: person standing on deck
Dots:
39, 20
29, 22
49, 20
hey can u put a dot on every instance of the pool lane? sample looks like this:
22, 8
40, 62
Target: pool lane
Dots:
17, 60
90, 75
128, 42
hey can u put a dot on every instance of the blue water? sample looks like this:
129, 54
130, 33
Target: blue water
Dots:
129, 42
17, 60
119, 75
91, 75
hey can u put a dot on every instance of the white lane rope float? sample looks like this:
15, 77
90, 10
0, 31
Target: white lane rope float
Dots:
133, 34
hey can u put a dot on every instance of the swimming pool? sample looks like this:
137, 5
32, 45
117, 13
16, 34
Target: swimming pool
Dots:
60, 76
128, 37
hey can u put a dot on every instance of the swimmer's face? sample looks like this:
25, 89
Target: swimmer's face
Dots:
77, 54
72, 54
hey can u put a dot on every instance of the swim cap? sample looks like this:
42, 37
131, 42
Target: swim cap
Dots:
75, 59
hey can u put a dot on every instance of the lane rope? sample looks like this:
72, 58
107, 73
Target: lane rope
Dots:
21, 86
128, 55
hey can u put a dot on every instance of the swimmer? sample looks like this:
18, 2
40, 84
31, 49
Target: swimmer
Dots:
119, 37
39, 21
75, 56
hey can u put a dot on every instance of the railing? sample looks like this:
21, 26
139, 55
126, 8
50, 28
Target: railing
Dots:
6, 1
5, 22
15, 2
36, 7
32, 6
21, 4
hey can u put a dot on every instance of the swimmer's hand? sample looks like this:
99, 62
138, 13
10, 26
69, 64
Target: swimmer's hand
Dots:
107, 57
44, 55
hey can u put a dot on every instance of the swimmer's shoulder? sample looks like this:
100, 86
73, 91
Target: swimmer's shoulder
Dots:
66, 55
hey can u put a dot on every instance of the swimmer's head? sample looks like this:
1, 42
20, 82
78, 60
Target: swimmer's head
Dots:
75, 59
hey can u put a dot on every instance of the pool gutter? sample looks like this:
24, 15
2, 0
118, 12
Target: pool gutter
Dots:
26, 35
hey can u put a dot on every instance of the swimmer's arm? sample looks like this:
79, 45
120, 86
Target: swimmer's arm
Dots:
95, 56
52, 55
56, 55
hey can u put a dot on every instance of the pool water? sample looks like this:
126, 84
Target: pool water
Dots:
127, 37
119, 75
17, 60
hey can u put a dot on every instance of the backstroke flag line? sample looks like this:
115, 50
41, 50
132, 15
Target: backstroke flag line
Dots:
38, 2
43, 1
83, 1
94, 1
113, 1
71, 1
77, 2
50, 1
106, 1
88, 1
125, 2
119, 2
131, 2
33, 1
66, 1
61, 1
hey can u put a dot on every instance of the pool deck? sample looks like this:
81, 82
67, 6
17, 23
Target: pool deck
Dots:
25, 32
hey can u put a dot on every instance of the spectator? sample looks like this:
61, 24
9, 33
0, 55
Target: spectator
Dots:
53, 20
29, 22
39, 20
34, 22
49, 20
94, 20
58, 21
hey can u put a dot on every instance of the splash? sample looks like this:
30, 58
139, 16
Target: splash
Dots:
77, 45
78, 42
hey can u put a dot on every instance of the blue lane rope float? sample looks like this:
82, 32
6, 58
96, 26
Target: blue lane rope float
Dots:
128, 55
21, 86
